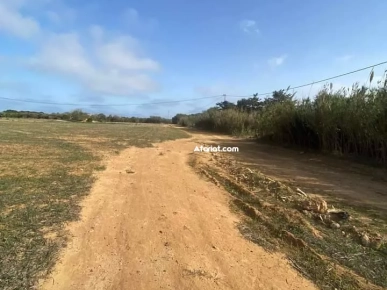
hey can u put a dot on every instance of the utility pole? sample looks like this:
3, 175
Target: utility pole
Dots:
224, 95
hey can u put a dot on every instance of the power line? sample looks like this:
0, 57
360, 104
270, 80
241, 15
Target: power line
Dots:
206, 106
320, 81
107, 105
188, 100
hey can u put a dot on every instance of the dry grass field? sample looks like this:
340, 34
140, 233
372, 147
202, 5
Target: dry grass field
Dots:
46, 168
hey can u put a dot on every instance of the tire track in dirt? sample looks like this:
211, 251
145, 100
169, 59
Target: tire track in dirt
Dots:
163, 227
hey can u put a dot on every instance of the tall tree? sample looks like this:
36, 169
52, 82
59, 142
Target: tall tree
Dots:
225, 105
250, 104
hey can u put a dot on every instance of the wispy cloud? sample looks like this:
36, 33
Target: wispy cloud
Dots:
277, 61
60, 15
101, 62
13, 22
119, 55
249, 26
115, 71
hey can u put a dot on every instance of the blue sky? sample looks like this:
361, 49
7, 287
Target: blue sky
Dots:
115, 53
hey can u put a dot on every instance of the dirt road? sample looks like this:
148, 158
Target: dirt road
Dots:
161, 226
335, 179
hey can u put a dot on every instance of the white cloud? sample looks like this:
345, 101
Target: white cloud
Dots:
277, 61
101, 62
62, 53
15, 23
110, 67
118, 54
14, 4
249, 26
56, 11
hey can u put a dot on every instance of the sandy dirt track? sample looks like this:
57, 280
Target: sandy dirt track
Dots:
163, 227
335, 179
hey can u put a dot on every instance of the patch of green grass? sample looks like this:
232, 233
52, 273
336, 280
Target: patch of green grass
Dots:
45, 171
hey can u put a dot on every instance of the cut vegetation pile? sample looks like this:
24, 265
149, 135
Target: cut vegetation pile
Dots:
46, 168
329, 245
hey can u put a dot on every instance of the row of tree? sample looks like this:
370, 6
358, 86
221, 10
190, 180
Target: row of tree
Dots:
248, 105
79, 115
255, 104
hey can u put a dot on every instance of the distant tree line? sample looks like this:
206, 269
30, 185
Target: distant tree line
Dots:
246, 105
80, 116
